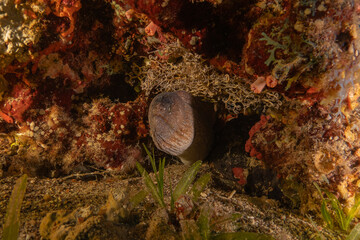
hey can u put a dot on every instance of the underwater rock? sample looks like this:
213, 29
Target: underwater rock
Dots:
113, 132
46, 100
20, 28
55, 142
311, 144
159, 227
88, 222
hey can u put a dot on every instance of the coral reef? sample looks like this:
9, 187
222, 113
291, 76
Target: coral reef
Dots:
305, 50
76, 78
175, 68
273, 43
112, 134
20, 29
106, 136
308, 144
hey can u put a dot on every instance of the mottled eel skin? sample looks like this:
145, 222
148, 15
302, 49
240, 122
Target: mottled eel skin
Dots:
182, 125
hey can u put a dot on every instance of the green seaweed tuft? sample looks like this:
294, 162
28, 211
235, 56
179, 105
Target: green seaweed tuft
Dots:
12, 218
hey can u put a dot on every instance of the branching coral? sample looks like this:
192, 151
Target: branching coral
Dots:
174, 68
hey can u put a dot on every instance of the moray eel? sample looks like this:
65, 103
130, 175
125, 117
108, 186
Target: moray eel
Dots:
182, 125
